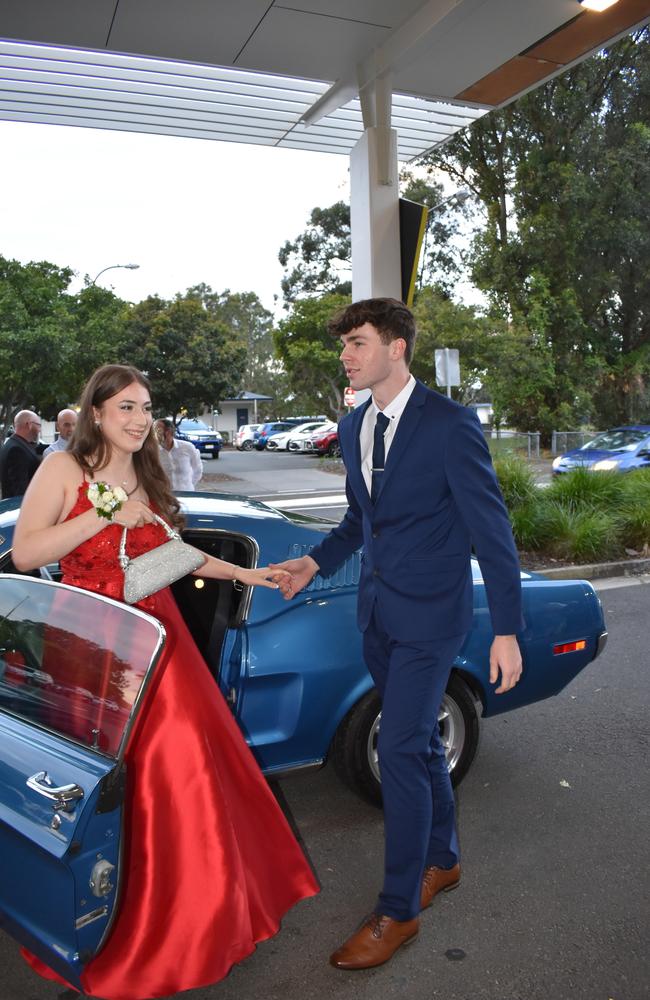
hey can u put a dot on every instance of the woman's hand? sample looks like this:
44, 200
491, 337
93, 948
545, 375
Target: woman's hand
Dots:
263, 576
132, 514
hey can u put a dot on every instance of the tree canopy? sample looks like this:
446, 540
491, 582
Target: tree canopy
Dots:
38, 348
563, 248
188, 354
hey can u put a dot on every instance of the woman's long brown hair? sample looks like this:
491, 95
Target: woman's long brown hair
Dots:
92, 451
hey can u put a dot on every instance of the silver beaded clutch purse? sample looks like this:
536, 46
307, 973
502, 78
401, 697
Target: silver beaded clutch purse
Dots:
159, 567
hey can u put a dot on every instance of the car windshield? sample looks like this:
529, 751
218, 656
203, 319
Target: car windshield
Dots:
193, 425
622, 439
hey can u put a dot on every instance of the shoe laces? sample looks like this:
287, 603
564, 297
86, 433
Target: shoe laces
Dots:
376, 923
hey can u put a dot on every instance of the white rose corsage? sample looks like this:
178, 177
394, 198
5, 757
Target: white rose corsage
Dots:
106, 499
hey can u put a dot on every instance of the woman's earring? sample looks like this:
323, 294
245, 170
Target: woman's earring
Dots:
98, 423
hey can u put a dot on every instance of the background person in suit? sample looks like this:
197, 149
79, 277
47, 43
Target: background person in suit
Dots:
19, 459
421, 492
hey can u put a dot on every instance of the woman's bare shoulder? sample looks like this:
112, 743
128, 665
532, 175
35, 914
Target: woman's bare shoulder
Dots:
63, 463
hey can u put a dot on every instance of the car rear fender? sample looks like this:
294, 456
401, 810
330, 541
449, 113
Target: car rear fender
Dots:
555, 612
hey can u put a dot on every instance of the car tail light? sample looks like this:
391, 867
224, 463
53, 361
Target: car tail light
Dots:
569, 647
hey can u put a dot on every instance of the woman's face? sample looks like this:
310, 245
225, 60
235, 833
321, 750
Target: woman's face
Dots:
125, 418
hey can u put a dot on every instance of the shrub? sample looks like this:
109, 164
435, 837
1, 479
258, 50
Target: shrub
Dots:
580, 534
581, 488
516, 481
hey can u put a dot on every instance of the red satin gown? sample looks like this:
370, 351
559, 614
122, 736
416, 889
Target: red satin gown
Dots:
210, 865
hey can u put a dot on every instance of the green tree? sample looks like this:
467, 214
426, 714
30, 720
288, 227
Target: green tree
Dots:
310, 356
319, 260
251, 325
563, 252
100, 320
190, 357
37, 343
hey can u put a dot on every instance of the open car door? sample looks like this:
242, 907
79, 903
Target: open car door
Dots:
74, 667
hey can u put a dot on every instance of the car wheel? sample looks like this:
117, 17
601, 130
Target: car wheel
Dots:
334, 451
354, 747
247, 446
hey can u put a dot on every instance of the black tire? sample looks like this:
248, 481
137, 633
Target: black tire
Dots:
334, 451
247, 446
354, 747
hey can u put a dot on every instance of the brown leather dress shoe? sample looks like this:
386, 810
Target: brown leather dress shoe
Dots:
375, 942
437, 880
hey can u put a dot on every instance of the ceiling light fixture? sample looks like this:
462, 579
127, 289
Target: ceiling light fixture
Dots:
598, 5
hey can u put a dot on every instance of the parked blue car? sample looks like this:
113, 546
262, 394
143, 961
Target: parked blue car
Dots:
618, 450
292, 673
207, 441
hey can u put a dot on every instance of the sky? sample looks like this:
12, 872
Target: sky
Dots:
185, 210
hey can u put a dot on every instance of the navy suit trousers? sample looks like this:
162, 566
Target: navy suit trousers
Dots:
419, 814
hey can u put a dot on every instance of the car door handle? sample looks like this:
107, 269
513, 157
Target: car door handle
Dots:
63, 797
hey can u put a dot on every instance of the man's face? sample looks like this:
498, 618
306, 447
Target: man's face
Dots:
66, 425
32, 430
366, 359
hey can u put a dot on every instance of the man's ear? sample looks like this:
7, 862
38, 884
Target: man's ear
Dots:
397, 348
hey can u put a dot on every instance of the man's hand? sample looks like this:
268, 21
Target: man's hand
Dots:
302, 572
506, 657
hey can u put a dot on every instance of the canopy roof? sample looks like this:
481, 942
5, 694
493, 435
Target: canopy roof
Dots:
288, 72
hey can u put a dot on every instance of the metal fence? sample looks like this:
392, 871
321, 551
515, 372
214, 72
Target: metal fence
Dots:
562, 441
514, 442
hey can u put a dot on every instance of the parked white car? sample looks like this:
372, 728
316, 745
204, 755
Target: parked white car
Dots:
245, 436
302, 442
280, 442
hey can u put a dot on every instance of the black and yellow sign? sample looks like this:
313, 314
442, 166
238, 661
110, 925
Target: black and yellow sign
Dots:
412, 227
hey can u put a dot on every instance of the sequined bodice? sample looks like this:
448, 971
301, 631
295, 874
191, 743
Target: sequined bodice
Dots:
94, 565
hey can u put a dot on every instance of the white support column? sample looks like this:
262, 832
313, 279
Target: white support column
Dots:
374, 201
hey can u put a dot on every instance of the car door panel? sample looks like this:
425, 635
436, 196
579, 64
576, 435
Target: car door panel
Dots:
73, 670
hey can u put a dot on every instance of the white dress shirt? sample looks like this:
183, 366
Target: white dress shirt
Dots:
393, 411
61, 444
183, 465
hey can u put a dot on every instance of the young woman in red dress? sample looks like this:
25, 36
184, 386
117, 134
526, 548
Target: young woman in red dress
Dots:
210, 863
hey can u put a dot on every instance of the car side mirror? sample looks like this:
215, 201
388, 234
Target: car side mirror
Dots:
644, 453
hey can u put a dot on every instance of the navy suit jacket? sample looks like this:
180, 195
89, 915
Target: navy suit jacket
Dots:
439, 497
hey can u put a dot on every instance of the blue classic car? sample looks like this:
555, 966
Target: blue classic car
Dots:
291, 672
620, 449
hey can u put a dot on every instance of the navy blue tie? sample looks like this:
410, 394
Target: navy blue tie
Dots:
378, 455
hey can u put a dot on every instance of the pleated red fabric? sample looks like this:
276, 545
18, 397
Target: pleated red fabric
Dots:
210, 862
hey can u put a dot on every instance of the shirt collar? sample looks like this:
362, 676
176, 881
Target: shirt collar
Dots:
396, 406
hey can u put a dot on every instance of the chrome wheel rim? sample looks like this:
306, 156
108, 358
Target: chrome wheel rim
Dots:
452, 736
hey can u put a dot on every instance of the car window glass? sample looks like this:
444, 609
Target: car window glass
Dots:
72, 662
625, 439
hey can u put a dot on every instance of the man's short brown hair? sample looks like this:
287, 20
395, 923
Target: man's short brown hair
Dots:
391, 319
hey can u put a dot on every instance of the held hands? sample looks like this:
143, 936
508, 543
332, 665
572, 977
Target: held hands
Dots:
506, 657
133, 514
300, 573
263, 576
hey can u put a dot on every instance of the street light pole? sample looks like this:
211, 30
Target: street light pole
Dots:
128, 267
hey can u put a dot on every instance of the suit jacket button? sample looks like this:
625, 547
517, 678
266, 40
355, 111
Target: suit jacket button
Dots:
376, 572
375, 534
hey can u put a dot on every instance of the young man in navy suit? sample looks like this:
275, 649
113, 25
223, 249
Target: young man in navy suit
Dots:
421, 492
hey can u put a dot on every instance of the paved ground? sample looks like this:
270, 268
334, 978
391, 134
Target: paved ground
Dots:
553, 819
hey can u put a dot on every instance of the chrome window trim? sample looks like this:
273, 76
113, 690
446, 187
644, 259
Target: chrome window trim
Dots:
153, 661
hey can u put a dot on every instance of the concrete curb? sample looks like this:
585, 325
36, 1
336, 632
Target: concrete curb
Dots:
597, 571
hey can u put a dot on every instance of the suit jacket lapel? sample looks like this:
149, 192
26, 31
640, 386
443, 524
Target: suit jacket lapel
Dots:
407, 426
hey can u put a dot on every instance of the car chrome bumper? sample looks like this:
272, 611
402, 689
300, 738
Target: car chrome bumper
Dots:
602, 642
